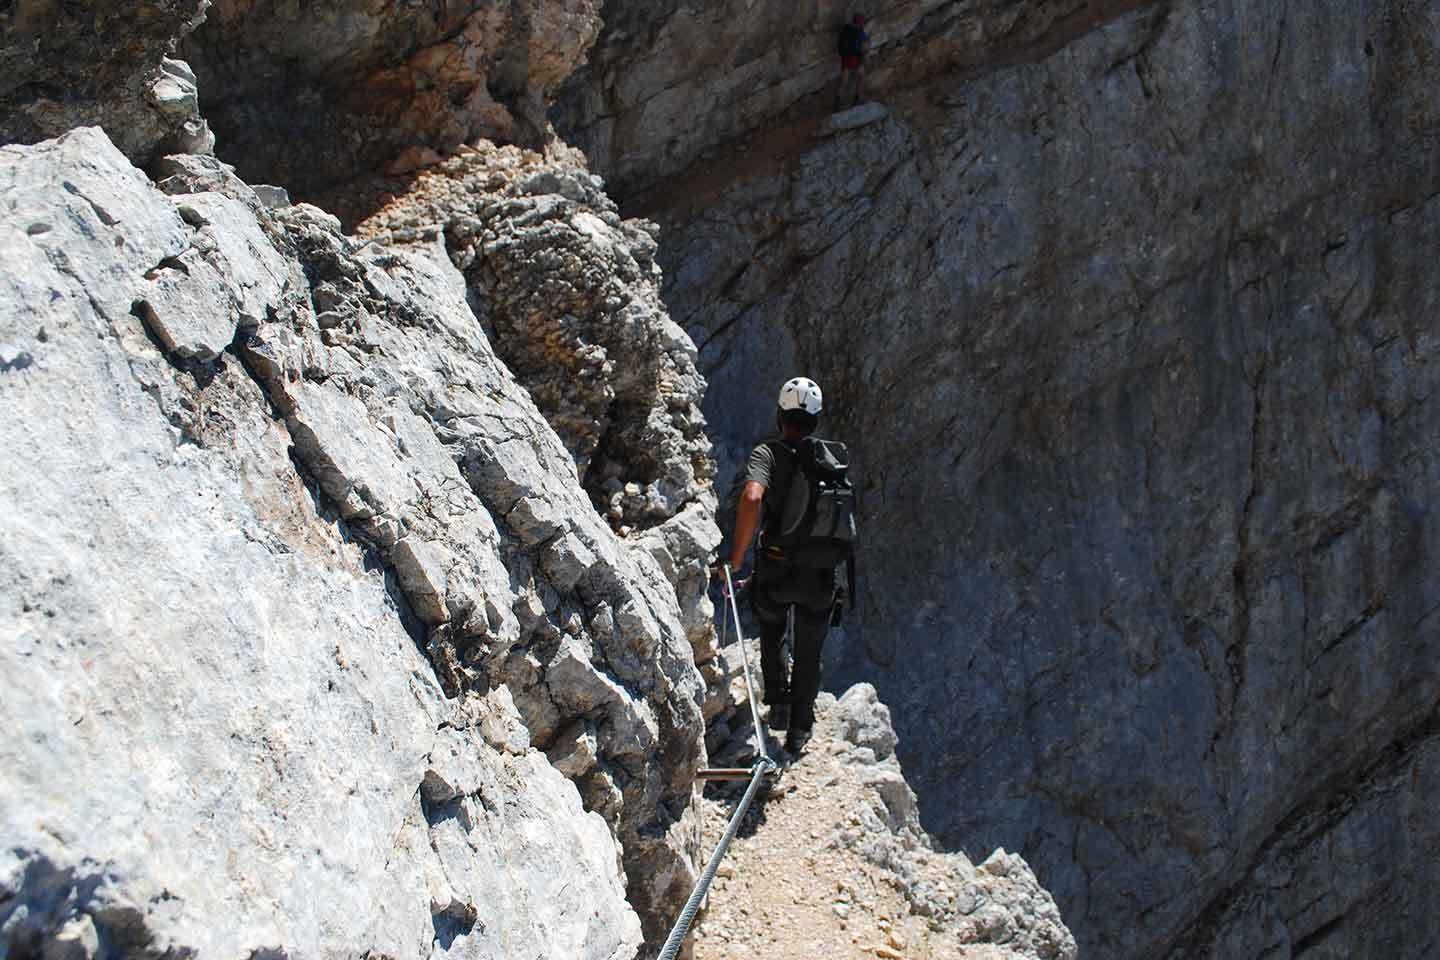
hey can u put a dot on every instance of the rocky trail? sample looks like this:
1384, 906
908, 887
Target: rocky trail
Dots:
830, 861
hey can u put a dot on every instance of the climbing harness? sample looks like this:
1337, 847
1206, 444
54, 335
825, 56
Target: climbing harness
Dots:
763, 765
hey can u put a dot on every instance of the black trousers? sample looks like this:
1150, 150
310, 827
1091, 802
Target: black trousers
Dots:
778, 589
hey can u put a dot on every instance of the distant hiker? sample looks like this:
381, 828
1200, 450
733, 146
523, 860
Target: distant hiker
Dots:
853, 44
798, 497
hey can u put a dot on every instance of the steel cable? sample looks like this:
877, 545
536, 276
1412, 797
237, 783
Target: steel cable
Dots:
763, 765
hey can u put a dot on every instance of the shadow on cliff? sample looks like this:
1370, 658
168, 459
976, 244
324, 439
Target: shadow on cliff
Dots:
752, 156
55, 908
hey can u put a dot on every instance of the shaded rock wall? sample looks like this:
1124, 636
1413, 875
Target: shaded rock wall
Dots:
263, 470
66, 65
1134, 346
377, 85
668, 83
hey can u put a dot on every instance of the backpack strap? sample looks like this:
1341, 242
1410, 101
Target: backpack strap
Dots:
775, 499
770, 514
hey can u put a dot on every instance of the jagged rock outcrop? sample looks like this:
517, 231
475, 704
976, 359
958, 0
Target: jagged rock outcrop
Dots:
833, 858
1132, 346
570, 293
375, 86
997, 902
67, 65
261, 469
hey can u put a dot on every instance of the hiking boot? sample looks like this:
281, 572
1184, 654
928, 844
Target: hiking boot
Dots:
779, 716
795, 742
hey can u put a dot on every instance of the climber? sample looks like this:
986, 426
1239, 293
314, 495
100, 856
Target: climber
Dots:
798, 497
853, 44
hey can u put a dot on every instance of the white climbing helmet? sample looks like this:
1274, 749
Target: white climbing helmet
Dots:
801, 393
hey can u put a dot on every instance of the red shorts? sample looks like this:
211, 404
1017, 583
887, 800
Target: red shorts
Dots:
849, 63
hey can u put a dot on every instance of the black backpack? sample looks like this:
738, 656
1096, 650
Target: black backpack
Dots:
852, 41
815, 527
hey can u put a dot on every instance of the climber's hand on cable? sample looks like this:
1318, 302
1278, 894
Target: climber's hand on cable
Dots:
717, 572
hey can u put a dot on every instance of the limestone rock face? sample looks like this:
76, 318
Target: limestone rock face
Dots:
419, 435
66, 65
1132, 345
301, 585
309, 95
